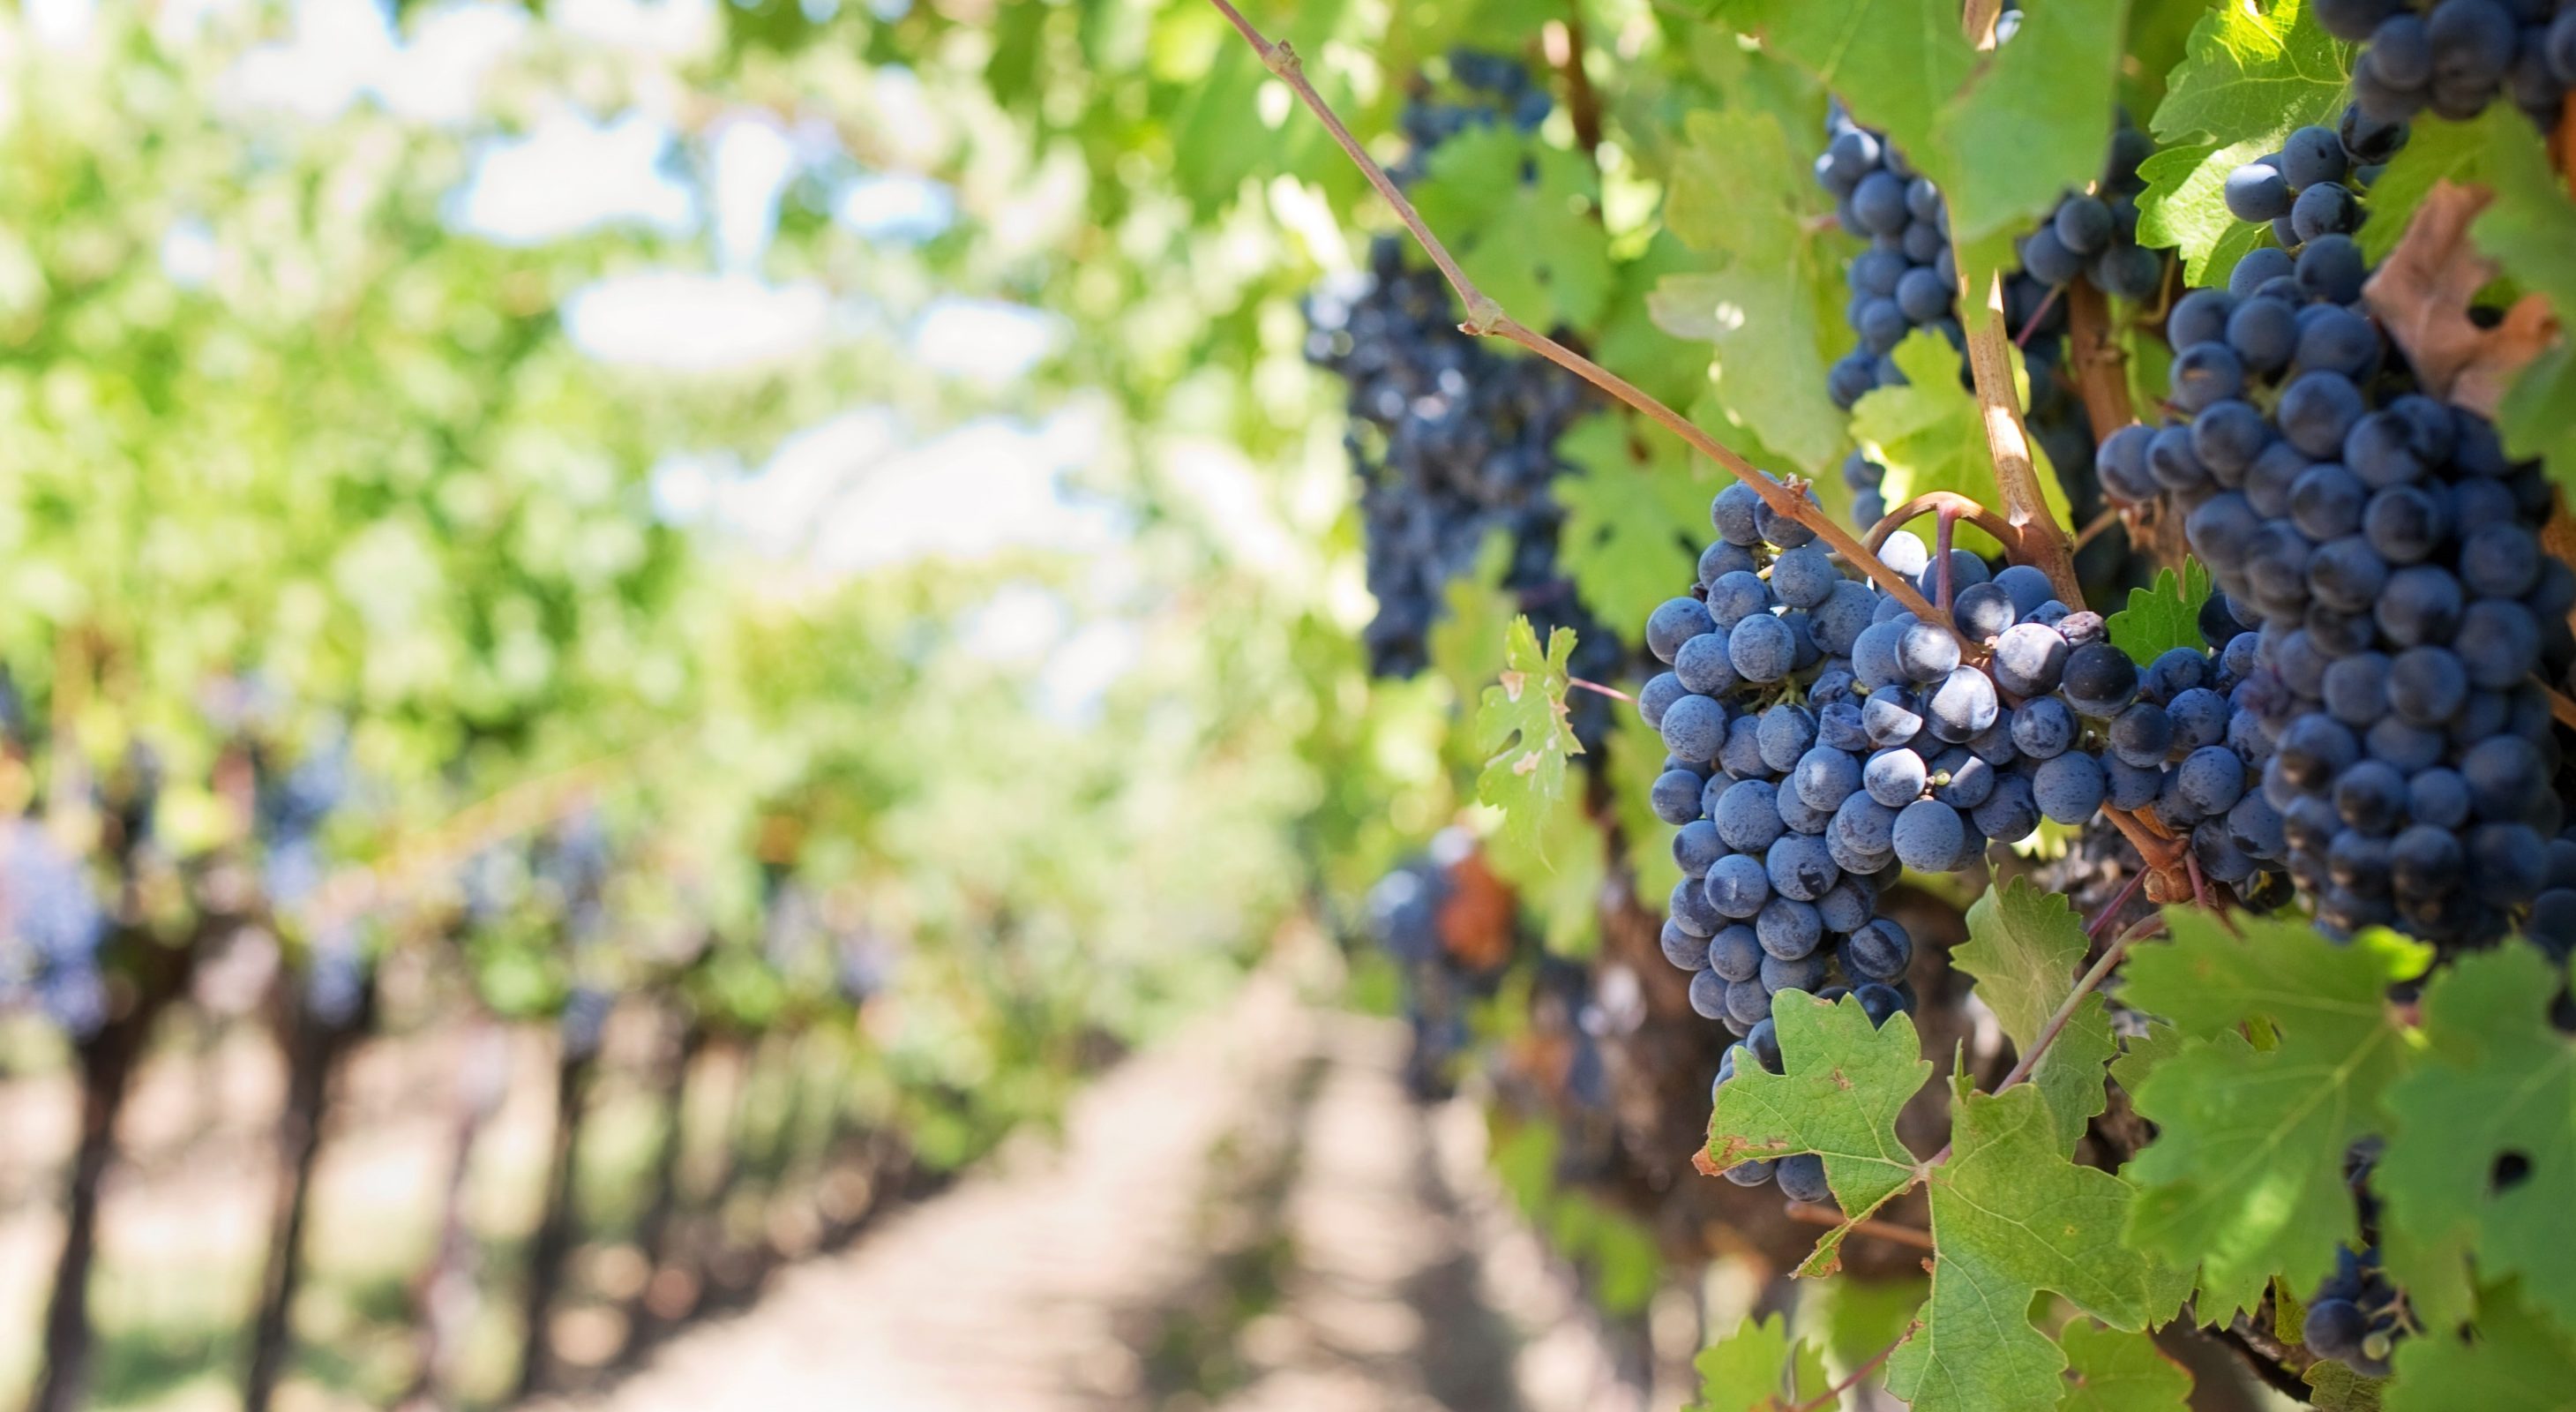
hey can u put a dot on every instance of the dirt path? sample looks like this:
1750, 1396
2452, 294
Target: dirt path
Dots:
1249, 1217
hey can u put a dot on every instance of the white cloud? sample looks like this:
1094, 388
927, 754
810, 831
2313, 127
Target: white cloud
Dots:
896, 206
571, 173
696, 323
989, 340
753, 161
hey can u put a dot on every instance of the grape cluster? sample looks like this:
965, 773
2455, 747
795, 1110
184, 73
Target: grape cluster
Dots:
1453, 440
1822, 739
51, 926
1906, 279
2387, 548
2457, 56
1449, 925
2355, 1316
2310, 190
291, 807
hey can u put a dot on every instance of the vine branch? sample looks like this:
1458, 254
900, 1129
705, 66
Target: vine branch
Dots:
2043, 541
2101, 371
2091, 981
1486, 318
1947, 502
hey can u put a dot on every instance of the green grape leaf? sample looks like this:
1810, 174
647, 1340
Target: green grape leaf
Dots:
2140, 1054
1757, 1369
1896, 62
2011, 1216
1930, 435
2164, 617
1636, 761
2246, 1174
1905, 68
1532, 244
2335, 1387
2497, 1087
1524, 731
2250, 74
2025, 947
2530, 229
1672, 368
2115, 1370
1844, 1082
1623, 540
2184, 208
1557, 866
2253, 71
1474, 626
2534, 417
2047, 99
2435, 151
1742, 194
2518, 1362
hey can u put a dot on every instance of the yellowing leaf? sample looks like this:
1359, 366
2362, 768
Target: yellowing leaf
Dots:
1524, 733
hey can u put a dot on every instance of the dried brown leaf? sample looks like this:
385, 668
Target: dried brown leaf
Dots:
2422, 292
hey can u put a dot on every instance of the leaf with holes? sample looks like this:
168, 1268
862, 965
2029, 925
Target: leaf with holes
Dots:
2011, 1217
2164, 617
2025, 947
2246, 1173
1524, 732
2481, 1156
1844, 1082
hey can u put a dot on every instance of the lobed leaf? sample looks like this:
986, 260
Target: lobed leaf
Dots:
2246, 1175
2164, 617
2025, 948
2481, 1156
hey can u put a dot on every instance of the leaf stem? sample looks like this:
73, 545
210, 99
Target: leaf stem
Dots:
2091, 981
2093, 929
1612, 692
1833, 1396
1486, 317
1816, 1215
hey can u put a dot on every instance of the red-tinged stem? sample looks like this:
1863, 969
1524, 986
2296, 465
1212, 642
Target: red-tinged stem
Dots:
1951, 502
1833, 1396
2022, 339
1942, 536
2092, 980
1612, 692
2093, 929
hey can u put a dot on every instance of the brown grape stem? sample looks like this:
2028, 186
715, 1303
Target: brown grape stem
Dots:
1817, 1215
1948, 502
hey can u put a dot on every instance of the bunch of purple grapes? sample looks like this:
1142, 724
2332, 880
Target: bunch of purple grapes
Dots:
2457, 56
51, 928
1908, 277
1822, 740
1453, 439
2388, 550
